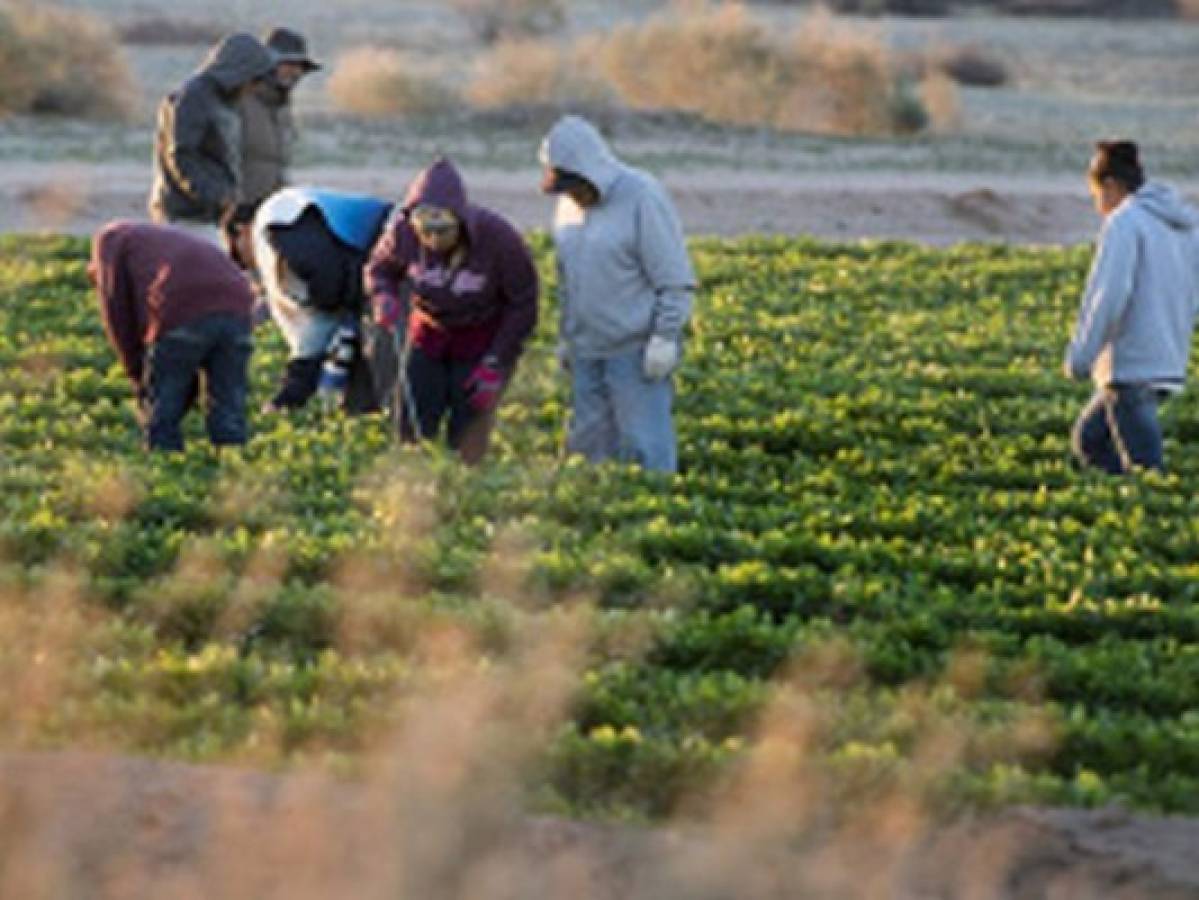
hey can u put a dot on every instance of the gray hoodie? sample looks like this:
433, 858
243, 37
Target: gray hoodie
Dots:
197, 145
1139, 307
623, 269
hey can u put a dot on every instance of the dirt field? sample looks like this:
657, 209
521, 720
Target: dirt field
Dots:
108, 827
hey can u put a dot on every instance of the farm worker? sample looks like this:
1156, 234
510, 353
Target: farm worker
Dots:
456, 283
198, 139
626, 285
308, 247
174, 306
1133, 334
267, 124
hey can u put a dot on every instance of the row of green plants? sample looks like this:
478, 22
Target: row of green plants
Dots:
877, 532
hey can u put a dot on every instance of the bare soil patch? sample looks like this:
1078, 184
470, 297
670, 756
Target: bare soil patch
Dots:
927, 207
118, 827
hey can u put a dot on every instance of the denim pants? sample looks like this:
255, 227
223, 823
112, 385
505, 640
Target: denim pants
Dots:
217, 346
1118, 429
620, 414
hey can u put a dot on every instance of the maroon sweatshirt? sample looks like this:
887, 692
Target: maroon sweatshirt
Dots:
487, 305
151, 279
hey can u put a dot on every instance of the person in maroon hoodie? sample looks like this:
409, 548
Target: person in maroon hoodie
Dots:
174, 306
457, 283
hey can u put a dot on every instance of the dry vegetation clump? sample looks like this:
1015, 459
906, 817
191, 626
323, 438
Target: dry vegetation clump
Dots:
59, 62
727, 66
530, 72
167, 31
379, 83
721, 64
496, 20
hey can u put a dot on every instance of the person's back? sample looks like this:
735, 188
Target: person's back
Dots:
197, 146
174, 305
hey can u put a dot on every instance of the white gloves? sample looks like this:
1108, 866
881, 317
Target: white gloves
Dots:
661, 356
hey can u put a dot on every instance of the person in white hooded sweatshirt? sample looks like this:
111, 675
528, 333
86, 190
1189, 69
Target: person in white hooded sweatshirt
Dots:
625, 284
1133, 334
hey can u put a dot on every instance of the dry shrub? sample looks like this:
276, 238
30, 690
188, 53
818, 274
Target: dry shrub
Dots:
972, 66
496, 20
939, 98
844, 80
540, 73
60, 62
380, 83
725, 65
721, 64
1187, 9
165, 31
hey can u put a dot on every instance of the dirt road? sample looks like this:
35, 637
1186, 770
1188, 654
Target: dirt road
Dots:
919, 206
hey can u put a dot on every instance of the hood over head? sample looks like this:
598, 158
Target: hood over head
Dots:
1165, 203
439, 185
574, 145
238, 59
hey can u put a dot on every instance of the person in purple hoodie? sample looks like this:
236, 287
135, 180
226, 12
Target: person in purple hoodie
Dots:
456, 283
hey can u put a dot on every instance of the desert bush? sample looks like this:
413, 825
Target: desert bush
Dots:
721, 64
60, 62
168, 32
495, 20
532, 72
973, 66
891, 7
380, 83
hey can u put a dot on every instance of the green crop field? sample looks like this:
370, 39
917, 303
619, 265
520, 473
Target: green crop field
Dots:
877, 553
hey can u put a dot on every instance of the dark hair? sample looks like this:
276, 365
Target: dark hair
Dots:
1120, 161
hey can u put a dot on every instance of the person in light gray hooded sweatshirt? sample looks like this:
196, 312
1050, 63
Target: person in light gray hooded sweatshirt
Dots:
625, 284
1133, 334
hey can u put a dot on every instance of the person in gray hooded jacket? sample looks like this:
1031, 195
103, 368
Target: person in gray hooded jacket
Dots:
625, 285
198, 140
1133, 333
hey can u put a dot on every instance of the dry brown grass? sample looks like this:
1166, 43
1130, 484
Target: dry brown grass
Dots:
60, 62
538, 73
722, 64
379, 83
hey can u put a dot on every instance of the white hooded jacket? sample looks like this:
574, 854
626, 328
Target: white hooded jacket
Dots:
1139, 308
623, 270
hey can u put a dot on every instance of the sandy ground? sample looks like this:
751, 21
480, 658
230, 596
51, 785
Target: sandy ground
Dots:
99, 826
920, 206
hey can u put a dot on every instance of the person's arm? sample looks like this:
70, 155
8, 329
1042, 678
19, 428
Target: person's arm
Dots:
520, 287
1109, 288
663, 254
384, 275
118, 310
186, 128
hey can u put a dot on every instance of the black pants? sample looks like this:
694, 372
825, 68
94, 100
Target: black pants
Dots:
430, 391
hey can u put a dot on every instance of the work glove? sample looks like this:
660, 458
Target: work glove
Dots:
484, 384
387, 311
661, 356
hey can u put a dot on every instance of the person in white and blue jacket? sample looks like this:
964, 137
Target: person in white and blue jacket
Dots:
625, 285
1133, 333
308, 247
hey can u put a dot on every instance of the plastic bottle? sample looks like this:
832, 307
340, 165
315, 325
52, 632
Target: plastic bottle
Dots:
335, 371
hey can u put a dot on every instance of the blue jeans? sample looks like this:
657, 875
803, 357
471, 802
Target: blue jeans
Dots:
219, 347
1118, 429
620, 414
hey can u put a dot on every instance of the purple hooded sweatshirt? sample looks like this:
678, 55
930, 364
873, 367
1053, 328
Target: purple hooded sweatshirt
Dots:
487, 305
